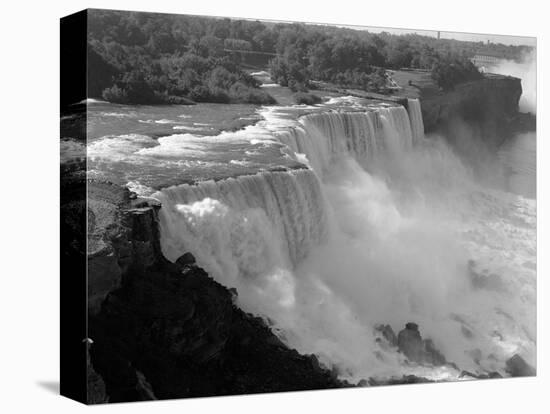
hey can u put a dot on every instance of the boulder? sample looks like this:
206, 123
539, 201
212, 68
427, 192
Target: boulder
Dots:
416, 349
410, 342
517, 367
411, 326
186, 259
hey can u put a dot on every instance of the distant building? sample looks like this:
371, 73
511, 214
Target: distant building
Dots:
485, 60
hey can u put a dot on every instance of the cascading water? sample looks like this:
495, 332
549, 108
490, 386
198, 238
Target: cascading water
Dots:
363, 135
417, 123
240, 225
397, 129
324, 136
327, 253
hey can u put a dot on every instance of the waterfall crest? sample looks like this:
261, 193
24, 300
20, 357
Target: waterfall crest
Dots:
323, 137
243, 226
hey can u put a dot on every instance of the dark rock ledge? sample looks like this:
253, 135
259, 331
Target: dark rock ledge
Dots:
167, 330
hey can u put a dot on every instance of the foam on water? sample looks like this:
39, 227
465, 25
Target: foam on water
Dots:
120, 147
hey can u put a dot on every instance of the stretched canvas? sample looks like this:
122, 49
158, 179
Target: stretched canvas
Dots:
257, 206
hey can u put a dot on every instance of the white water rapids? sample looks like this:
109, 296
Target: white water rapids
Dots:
385, 226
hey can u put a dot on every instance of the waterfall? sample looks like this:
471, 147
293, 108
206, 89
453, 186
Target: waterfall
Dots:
417, 123
327, 252
396, 125
244, 226
323, 137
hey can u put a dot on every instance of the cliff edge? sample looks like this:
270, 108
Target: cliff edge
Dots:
486, 109
167, 330
483, 111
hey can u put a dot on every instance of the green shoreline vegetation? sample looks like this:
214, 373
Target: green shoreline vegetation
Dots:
149, 58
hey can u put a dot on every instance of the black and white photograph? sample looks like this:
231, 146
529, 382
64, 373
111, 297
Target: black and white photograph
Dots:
264, 205
279, 206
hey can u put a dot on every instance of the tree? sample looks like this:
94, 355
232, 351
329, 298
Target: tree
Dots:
449, 72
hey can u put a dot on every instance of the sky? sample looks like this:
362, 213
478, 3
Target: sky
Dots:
472, 37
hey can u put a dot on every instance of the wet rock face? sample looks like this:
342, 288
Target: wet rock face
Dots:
416, 349
410, 342
432, 355
483, 280
387, 333
517, 367
186, 259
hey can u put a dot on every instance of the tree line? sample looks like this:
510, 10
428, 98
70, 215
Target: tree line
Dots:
161, 58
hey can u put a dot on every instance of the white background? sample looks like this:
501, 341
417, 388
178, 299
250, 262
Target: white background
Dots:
29, 151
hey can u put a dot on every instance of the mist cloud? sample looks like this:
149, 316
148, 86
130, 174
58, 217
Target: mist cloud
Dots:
526, 70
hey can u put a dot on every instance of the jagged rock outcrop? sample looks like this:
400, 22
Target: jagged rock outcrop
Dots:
416, 349
423, 351
186, 259
387, 334
168, 330
121, 233
410, 343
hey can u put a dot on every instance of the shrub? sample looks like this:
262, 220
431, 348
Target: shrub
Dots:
219, 95
259, 97
132, 88
115, 94
450, 72
297, 86
204, 94
173, 99
304, 98
242, 93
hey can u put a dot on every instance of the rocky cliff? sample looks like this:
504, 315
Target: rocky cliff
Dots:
167, 330
479, 112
